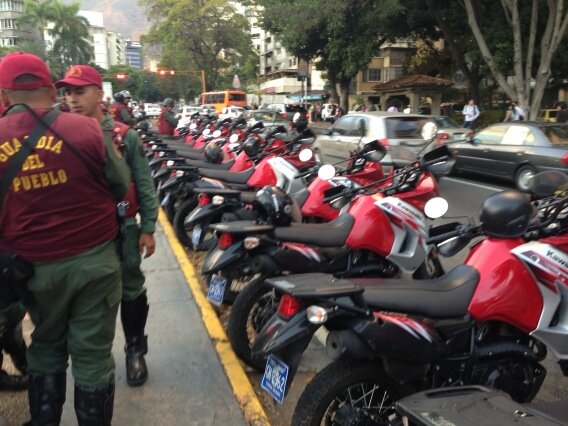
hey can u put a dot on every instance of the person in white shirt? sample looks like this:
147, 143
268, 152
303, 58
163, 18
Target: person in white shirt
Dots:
392, 108
470, 112
407, 109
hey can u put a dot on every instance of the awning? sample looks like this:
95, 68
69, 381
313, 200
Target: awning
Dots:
313, 95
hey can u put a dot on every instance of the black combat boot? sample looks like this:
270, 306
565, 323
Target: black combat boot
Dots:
46, 397
134, 314
94, 406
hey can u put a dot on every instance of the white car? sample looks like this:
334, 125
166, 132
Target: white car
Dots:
152, 110
231, 112
185, 114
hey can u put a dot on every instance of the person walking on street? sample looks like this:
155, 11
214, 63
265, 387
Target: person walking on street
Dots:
470, 112
83, 86
67, 192
562, 114
167, 121
119, 110
514, 112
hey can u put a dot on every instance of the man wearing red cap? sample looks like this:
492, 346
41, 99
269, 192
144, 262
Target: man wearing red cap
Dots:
83, 87
59, 214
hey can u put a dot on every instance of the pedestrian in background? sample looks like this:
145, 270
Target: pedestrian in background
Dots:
562, 114
470, 112
119, 110
167, 121
67, 195
514, 112
83, 86
392, 108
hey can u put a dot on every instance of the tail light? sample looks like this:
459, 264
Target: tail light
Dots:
283, 115
564, 159
204, 199
289, 306
225, 240
441, 138
385, 142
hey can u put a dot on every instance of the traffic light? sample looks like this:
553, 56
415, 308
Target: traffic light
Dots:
163, 73
121, 76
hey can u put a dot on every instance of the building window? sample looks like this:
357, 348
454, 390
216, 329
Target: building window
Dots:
8, 24
373, 74
9, 41
268, 40
12, 5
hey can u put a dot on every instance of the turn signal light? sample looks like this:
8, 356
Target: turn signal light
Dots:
225, 240
288, 306
251, 243
316, 314
218, 199
385, 142
564, 159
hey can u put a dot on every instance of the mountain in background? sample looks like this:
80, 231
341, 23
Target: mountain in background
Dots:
123, 16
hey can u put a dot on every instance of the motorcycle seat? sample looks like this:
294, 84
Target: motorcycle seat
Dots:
443, 297
208, 165
242, 227
226, 176
331, 234
227, 192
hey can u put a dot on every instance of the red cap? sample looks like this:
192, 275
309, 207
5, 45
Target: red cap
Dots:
16, 64
81, 75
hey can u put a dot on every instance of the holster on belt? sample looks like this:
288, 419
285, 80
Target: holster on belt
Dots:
121, 213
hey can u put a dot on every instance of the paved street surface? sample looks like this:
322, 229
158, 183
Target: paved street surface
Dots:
187, 384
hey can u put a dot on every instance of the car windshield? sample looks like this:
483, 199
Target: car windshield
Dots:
292, 108
557, 135
445, 123
405, 127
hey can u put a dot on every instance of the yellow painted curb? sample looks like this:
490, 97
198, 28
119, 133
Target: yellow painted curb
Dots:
252, 409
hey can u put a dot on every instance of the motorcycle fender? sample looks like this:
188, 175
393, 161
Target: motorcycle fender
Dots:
286, 339
210, 213
218, 259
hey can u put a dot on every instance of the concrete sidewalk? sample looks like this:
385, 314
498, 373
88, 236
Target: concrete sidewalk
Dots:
187, 383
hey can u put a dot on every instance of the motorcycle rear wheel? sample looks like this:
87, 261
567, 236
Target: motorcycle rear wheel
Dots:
251, 310
348, 392
182, 212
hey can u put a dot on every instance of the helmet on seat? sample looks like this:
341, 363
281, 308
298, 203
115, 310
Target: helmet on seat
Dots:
506, 214
274, 206
251, 146
119, 97
213, 153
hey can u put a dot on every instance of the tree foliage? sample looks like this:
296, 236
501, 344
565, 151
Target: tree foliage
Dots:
200, 35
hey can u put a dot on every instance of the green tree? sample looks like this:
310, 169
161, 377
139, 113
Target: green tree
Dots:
529, 60
207, 34
37, 14
132, 82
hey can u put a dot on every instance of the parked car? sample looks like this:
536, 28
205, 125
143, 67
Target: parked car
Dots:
231, 112
547, 115
286, 111
268, 117
185, 114
399, 133
152, 110
449, 131
514, 151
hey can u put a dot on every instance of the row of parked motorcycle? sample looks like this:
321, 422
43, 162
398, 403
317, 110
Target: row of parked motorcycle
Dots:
295, 245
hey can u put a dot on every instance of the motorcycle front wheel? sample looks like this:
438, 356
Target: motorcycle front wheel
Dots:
182, 212
251, 310
348, 392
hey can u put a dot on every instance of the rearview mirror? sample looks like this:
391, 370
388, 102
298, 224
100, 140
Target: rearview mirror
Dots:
440, 152
206, 132
192, 126
216, 133
374, 146
326, 172
234, 138
436, 207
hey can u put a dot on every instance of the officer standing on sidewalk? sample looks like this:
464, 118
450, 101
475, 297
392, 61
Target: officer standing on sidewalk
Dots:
60, 214
119, 110
83, 88
167, 121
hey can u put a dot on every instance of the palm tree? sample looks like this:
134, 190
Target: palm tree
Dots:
37, 14
71, 36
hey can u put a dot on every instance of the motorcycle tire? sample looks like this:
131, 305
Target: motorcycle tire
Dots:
326, 399
182, 212
252, 308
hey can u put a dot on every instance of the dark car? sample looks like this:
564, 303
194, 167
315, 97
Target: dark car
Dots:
514, 151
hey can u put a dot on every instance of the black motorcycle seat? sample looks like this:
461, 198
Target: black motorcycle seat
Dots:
443, 297
208, 165
230, 177
242, 227
331, 234
183, 149
227, 192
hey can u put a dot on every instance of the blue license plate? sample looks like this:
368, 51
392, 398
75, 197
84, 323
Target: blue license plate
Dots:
216, 290
196, 235
165, 199
274, 378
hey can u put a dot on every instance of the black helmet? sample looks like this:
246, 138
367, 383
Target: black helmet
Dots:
506, 214
251, 146
213, 153
119, 97
168, 102
274, 206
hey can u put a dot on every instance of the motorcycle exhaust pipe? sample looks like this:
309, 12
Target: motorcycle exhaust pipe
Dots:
506, 348
341, 343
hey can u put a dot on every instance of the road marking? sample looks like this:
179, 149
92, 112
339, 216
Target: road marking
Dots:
252, 409
491, 188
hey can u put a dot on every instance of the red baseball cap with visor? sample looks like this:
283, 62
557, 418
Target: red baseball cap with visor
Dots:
18, 64
81, 75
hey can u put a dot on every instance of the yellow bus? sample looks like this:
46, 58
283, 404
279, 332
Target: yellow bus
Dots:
224, 98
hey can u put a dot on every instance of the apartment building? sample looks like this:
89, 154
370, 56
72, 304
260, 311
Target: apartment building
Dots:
10, 32
134, 54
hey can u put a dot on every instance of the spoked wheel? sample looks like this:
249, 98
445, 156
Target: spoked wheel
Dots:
252, 309
348, 393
